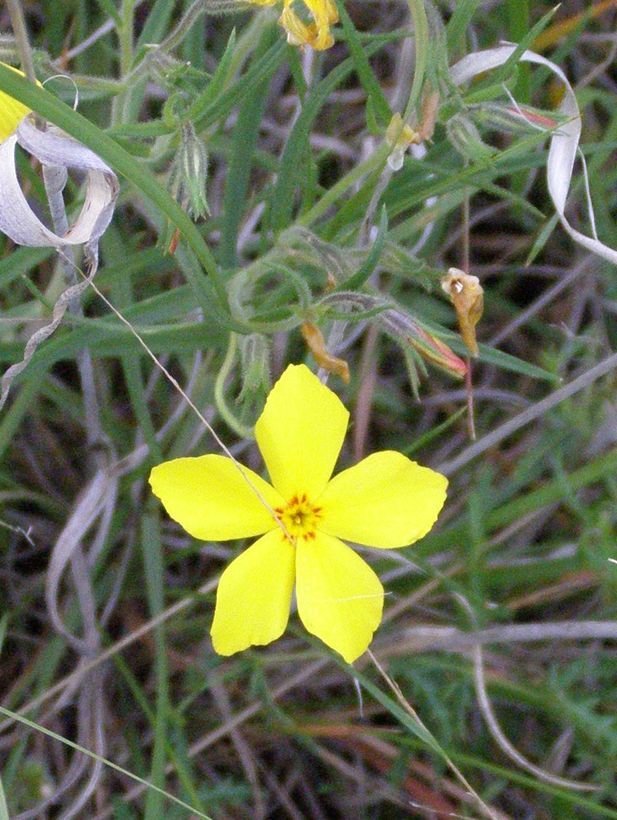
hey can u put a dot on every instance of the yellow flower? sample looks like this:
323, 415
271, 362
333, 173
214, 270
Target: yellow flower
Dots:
317, 34
385, 501
11, 111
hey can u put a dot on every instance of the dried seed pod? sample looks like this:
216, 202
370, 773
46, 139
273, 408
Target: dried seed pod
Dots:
467, 296
315, 341
189, 173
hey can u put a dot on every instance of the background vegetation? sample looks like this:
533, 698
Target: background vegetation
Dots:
106, 604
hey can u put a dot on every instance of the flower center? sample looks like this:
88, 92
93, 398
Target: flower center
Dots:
299, 517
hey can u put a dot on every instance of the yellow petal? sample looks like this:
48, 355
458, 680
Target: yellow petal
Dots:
300, 433
210, 498
298, 33
340, 599
317, 34
384, 501
11, 111
253, 596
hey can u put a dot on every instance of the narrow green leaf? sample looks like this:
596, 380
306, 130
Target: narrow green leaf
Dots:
152, 551
4, 620
217, 83
281, 203
206, 113
356, 281
156, 23
246, 132
55, 736
4, 809
421, 51
503, 72
375, 96
457, 25
110, 10
519, 16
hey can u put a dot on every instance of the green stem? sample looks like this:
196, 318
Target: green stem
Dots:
518, 24
219, 392
420, 25
125, 37
376, 160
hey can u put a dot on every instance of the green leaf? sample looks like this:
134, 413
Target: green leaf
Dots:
281, 203
375, 96
246, 132
218, 81
457, 25
356, 281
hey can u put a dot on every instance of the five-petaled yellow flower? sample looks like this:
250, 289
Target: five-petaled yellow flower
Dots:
317, 34
384, 501
12, 112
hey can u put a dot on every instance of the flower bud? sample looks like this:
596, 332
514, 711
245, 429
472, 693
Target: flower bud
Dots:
407, 331
189, 173
399, 326
254, 365
512, 119
466, 139
399, 137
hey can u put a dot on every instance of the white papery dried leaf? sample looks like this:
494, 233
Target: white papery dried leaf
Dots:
18, 221
564, 141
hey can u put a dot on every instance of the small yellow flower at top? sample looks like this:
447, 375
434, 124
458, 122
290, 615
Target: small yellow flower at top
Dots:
317, 34
384, 501
12, 112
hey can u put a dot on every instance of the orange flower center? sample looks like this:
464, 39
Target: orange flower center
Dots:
299, 517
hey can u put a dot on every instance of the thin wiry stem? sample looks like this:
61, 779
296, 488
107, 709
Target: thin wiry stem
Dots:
504, 744
22, 40
530, 414
489, 716
396, 690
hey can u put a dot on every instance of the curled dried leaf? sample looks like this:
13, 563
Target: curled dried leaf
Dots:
57, 153
54, 149
564, 139
467, 296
